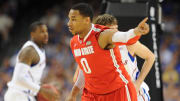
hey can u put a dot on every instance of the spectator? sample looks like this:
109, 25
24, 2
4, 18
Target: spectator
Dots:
5, 26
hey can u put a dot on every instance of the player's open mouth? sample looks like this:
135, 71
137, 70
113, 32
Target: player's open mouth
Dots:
46, 39
70, 29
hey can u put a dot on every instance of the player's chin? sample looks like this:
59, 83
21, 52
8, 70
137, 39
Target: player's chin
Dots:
45, 42
74, 34
71, 31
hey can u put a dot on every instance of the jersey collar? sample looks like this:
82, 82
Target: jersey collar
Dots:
85, 38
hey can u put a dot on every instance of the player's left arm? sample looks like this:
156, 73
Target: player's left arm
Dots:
143, 52
76, 74
111, 36
79, 84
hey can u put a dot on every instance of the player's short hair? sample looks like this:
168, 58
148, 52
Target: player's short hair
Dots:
34, 25
84, 9
105, 19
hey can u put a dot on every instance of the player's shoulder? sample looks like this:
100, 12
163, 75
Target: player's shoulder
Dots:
27, 53
101, 27
74, 39
28, 49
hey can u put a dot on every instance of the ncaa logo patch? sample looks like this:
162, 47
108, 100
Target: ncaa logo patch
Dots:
88, 43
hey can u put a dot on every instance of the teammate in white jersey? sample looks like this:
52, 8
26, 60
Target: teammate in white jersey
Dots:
31, 61
128, 55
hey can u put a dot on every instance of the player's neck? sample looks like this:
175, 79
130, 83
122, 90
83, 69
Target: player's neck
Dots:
38, 44
85, 32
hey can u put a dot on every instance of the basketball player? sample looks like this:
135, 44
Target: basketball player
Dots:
31, 61
93, 48
128, 54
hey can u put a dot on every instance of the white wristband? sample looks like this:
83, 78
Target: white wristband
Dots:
22, 78
123, 36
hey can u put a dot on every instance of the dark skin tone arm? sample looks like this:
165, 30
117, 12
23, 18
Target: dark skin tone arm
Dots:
29, 56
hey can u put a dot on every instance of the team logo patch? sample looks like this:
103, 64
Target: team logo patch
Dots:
96, 29
88, 43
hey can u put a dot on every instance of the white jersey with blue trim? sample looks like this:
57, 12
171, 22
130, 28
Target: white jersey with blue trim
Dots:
36, 70
130, 63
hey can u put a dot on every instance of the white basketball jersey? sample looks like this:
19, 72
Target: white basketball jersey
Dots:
36, 70
130, 63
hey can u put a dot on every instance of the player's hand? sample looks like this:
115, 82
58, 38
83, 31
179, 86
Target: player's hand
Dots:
49, 94
71, 98
137, 86
142, 28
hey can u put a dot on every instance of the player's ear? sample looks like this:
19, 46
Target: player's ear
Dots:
32, 34
88, 20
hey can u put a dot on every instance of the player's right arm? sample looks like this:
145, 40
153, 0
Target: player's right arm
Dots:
27, 57
111, 36
142, 51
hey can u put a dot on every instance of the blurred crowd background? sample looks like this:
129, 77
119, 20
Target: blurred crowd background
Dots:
17, 15
170, 50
